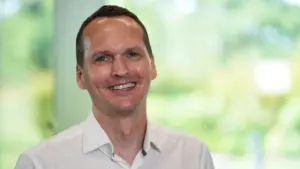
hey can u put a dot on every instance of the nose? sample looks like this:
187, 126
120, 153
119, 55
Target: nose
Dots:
119, 67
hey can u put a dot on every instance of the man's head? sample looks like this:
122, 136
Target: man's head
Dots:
108, 11
114, 60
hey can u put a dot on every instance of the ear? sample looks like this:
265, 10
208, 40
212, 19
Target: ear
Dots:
153, 68
80, 77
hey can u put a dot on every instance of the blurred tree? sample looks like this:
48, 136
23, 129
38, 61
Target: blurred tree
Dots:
28, 43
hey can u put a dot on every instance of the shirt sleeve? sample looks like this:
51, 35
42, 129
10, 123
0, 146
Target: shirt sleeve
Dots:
206, 161
25, 162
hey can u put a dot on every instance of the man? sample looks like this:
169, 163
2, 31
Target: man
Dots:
115, 65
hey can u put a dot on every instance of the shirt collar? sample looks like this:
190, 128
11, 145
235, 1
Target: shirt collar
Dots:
150, 141
95, 137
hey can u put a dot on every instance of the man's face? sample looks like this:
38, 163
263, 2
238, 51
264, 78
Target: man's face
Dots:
117, 69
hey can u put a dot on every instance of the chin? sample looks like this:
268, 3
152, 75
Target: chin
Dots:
126, 109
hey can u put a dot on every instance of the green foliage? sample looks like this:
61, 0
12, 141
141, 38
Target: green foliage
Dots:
28, 53
42, 92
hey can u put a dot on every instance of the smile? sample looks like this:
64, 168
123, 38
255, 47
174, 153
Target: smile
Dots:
123, 86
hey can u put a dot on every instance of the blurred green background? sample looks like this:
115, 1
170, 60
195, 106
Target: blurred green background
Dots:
228, 73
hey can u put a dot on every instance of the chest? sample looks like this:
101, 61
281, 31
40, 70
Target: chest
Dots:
151, 161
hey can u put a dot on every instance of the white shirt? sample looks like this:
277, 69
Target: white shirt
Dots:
87, 146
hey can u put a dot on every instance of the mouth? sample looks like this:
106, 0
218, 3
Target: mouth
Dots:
124, 86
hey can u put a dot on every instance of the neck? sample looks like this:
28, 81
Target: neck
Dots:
125, 132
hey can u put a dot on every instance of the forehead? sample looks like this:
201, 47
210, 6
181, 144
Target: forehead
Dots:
113, 29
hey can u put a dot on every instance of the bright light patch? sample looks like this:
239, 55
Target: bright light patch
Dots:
293, 2
273, 76
187, 6
9, 7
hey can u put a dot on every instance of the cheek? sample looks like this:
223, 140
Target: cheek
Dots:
143, 69
99, 77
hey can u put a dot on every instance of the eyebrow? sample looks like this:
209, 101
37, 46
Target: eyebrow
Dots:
134, 48
112, 53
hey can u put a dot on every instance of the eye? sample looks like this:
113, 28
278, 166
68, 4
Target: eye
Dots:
132, 54
103, 58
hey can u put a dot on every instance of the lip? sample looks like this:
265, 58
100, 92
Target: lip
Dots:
122, 83
124, 92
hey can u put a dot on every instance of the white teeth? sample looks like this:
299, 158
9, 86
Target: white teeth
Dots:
123, 86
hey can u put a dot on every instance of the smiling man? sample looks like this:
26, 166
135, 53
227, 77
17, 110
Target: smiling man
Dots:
115, 64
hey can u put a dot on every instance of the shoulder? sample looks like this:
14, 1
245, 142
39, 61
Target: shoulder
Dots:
190, 149
171, 137
69, 139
